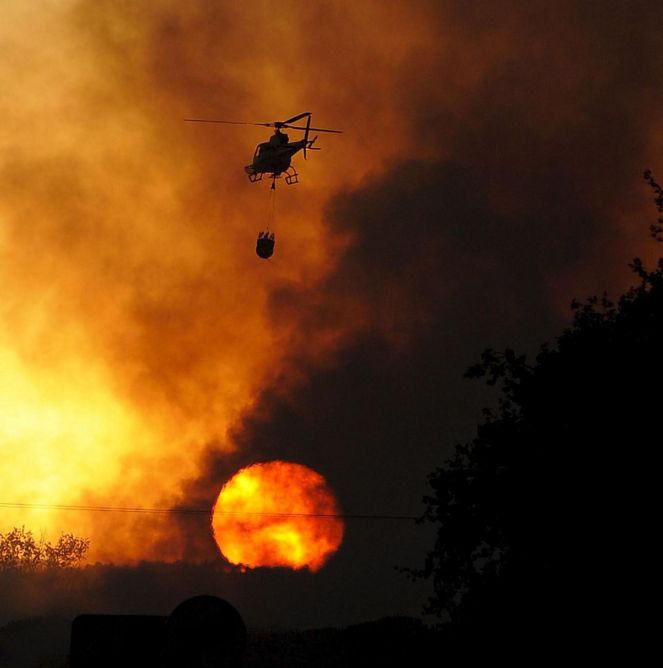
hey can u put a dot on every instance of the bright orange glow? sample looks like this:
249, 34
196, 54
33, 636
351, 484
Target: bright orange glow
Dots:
136, 323
247, 532
135, 319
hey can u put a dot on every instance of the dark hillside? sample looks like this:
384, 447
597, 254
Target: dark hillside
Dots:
394, 641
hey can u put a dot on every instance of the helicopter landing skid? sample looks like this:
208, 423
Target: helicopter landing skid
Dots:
292, 179
255, 177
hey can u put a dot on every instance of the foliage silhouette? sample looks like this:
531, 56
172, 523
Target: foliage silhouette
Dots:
656, 229
541, 519
20, 551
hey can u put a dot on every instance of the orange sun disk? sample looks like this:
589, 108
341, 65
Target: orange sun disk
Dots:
277, 514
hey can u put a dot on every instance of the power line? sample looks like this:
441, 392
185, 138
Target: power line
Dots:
200, 511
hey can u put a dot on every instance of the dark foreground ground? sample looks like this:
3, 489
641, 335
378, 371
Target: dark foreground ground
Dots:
44, 643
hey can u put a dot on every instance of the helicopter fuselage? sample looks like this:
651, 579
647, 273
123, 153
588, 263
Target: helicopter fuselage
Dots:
273, 157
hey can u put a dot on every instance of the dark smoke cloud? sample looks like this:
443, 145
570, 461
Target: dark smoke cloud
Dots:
485, 247
530, 128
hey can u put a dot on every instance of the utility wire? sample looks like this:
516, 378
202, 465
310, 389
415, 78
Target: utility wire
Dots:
200, 511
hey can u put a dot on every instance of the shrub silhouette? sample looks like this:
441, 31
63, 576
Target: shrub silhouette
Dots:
19, 551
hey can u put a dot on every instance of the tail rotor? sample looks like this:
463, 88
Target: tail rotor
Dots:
308, 127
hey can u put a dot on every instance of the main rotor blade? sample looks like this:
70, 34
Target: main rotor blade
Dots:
296, 118
279, 124
212, 120
298, 127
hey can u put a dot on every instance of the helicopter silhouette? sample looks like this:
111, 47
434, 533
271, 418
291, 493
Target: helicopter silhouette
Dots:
274, 157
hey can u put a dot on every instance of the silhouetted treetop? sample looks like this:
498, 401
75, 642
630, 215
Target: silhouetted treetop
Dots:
656, 230
541, 517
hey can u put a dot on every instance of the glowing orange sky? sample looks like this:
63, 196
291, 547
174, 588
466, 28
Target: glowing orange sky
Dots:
133, 327
133, 321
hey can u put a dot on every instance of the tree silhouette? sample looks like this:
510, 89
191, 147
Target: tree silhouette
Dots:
20, 551
656, 229
542, 520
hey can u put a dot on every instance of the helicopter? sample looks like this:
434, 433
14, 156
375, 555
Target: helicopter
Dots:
274, 156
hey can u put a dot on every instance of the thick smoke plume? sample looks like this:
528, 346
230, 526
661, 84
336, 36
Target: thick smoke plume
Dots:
489, 172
